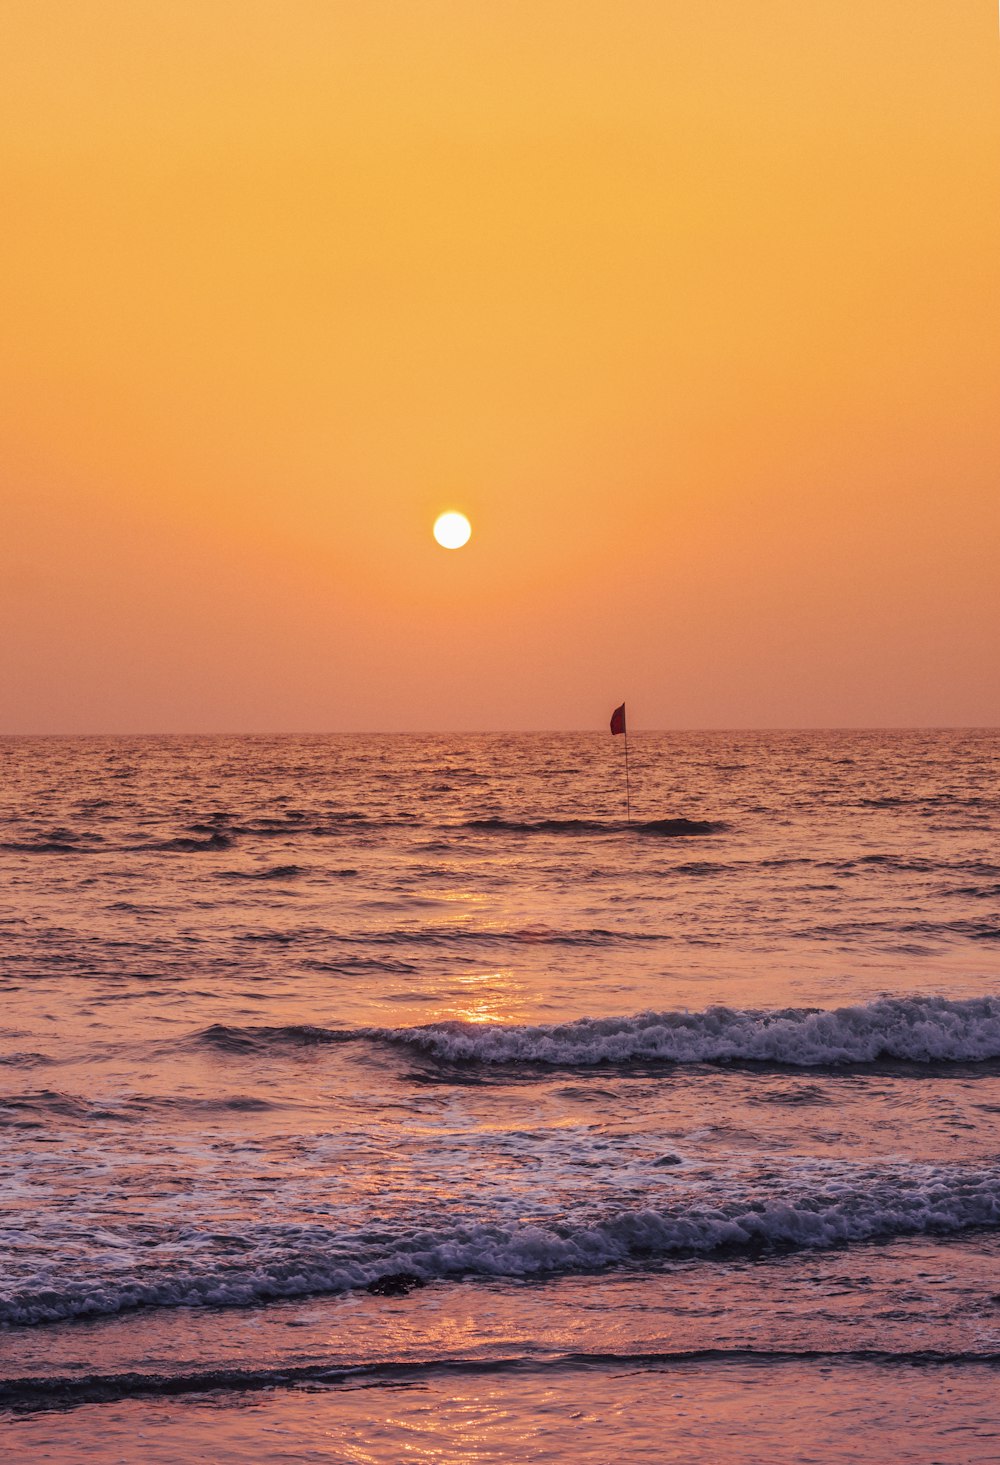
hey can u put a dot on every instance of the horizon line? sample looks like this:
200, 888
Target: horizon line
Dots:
511, 732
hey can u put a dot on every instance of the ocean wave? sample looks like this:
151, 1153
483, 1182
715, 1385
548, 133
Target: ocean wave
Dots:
266, 1263
37, 1108
912, 1030
66, 1391
667, 828
223, 834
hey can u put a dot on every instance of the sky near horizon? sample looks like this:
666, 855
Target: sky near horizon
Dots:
693, 309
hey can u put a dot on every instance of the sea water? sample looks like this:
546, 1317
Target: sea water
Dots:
368, 1098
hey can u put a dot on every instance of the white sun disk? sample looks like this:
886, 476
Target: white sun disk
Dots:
452, 530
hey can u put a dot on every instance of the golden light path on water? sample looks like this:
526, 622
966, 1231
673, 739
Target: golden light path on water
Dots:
635, 1107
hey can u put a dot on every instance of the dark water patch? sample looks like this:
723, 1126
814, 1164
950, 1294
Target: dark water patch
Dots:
72, 836
272, 872
228, 1038
537, 935
351, 965
905, 864
665, 828
185, 845
15, 1109
911, 865
594, 936
928, 802
984, 929
680, 828
804, 1094
894, 932
45, 847
36, 1110
446, 937
439, 1072
219, 819
227, 1104
288, 872
497, 825
283, 938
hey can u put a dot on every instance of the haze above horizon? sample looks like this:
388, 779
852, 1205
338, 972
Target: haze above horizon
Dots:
692, 312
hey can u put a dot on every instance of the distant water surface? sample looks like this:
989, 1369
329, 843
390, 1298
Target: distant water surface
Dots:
673, 1121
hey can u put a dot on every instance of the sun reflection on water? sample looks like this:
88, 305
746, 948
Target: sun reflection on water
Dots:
490, 997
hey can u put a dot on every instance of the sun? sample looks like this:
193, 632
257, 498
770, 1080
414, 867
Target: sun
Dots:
452, 530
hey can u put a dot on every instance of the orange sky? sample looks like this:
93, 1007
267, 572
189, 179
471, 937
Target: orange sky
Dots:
692, 307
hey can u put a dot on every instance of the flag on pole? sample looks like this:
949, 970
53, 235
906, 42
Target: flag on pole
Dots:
618, 726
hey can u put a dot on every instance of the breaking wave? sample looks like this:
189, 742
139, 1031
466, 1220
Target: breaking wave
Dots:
905, 1029
265, 1263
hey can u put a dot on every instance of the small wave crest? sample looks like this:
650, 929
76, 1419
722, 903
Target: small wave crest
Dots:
64, 1391
228, 1038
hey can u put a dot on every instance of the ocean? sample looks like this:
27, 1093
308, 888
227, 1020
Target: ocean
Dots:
391, 1097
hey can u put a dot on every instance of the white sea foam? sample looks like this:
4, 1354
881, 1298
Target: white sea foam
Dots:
913, 1029
816, 1208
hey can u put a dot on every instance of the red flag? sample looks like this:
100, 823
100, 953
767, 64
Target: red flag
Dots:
618, 720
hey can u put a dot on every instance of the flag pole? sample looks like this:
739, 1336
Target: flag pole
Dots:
619, 725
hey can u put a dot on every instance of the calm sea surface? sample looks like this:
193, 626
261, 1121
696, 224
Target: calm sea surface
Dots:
375, 1098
